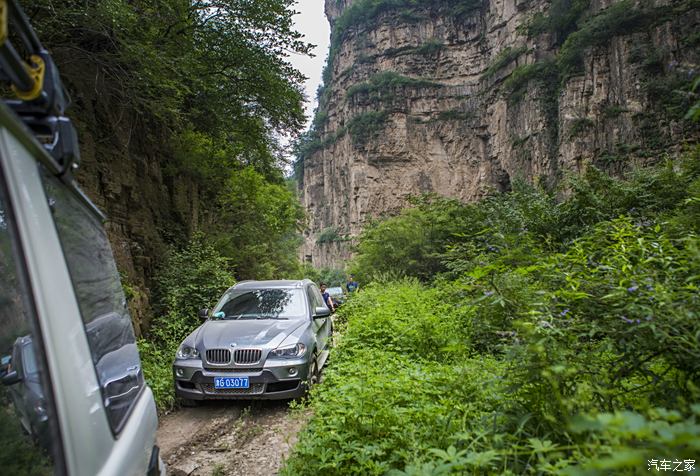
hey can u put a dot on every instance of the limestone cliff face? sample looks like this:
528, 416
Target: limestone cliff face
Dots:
460, 98
122, 171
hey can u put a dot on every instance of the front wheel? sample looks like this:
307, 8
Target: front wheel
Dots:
314, 375
189, 403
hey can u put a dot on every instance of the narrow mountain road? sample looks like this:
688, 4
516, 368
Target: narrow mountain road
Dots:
229, 438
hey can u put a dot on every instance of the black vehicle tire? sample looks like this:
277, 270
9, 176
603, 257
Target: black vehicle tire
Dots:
314, 374
189, 403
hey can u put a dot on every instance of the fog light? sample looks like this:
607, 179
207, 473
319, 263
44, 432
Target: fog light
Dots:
179, 372
292, 371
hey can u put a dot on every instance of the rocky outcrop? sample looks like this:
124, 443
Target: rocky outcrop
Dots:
461, 97
123, 170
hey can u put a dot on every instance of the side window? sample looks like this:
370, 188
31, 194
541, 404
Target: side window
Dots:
101, 300
29, 436
315, 298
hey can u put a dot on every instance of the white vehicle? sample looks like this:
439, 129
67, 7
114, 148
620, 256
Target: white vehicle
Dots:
73, 399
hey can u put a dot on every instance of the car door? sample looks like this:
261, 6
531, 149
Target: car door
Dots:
52, 247
321, 327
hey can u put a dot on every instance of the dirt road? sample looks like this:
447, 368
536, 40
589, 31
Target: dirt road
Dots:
229, 438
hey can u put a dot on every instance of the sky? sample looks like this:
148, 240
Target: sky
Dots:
312, 23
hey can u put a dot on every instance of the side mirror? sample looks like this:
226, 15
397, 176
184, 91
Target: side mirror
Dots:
321, 311
11, 378
204, 314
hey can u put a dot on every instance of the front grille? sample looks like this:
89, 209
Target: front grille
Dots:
247, 356
247, 370
254, 389
219, 356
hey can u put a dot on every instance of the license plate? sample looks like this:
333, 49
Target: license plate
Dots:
231, 382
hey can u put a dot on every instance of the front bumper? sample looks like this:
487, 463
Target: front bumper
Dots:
271, 382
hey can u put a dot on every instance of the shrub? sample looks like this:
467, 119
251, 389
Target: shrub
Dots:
329, 235
430, 47
579, 126
190, 279
563, 337
411, 243
365, 126
560, 20
385, 403
381, 85
544, 73
503, 59
619, 18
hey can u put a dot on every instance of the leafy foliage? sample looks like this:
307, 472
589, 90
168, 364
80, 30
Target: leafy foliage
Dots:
503, 59
365, 126
218, 70
561, 19
257, 225
382, 84
410, 244
190, 279
331, 276
556, 337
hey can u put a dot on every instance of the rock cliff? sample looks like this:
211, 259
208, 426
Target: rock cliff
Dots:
461, 97
124, 171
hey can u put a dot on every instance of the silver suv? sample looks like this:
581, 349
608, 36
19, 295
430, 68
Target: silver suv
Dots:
264, 339
72, 394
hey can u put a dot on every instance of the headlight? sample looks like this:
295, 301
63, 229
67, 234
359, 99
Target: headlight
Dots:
289, 351
187, 352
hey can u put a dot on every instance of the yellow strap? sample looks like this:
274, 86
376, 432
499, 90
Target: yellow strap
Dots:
37, 73
3, 21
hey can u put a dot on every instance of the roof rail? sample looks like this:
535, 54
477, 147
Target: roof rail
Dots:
41, 99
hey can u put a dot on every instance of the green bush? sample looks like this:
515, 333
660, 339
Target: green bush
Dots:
365, 126
619, 18
331, 276
503, 59
190, 279
410, 244
389, 398
555, 337
381, 85
544, 73
561, 19
430, 47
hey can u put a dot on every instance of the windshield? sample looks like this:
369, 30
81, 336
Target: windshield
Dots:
333, 291
261, 304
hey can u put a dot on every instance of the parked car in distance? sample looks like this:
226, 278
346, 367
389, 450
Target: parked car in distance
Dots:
337, 295
262, 340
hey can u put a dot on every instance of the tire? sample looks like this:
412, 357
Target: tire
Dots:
314, 374
189, 403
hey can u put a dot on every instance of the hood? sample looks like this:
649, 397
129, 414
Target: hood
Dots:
246, 333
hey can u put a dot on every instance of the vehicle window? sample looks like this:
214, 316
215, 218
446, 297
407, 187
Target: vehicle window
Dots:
262, 304
316, 298
29, 438
101, 300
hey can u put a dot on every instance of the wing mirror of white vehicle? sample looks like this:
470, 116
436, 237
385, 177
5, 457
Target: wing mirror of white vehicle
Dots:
321, 311
11, 378
204, 314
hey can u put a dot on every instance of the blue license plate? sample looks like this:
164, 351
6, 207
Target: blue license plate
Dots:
231, 382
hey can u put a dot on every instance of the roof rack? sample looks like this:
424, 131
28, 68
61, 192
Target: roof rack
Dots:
41, 99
